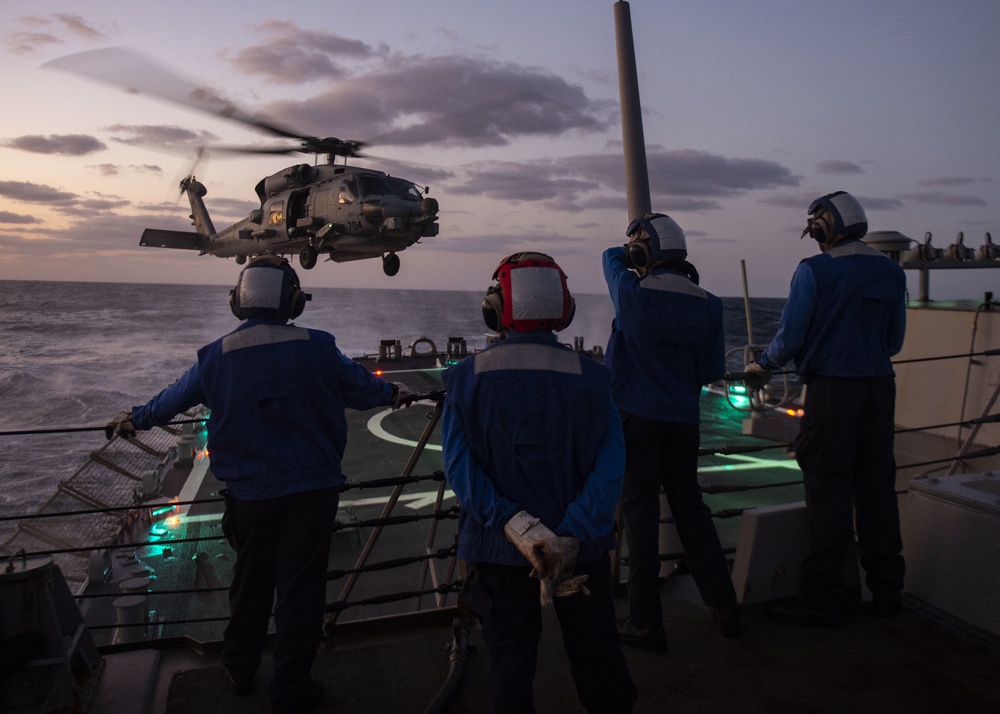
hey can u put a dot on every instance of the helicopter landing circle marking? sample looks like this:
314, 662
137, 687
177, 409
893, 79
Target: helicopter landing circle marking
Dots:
375, 427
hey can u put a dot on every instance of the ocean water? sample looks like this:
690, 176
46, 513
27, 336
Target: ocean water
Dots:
74, 354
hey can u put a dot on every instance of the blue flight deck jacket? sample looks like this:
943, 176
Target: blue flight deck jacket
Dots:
845, 315
667, 341
530, 424
277, 394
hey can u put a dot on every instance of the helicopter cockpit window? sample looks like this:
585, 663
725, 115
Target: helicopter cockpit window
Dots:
373, 186
277, 216
348, 191
404, 189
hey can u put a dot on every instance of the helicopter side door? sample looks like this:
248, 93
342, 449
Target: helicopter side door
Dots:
301, 218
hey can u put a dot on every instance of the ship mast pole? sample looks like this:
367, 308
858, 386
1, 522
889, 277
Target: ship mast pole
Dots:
636, 174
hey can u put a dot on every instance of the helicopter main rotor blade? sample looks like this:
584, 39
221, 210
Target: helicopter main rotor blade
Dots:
137, 74
279, 150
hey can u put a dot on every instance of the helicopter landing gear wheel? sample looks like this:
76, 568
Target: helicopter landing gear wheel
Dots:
241, 259
390, 264
307, 257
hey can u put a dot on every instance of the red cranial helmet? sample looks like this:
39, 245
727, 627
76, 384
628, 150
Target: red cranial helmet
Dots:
530, 294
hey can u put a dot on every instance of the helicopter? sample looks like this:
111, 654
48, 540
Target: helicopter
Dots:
345, 212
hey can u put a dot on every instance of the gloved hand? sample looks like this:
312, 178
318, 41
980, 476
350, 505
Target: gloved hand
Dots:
402, 395
121, 425
541, 547
567, 583
757, 375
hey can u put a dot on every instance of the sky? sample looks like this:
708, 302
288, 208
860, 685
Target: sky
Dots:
508, 112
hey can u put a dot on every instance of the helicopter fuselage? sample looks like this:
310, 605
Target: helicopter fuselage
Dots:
346, 212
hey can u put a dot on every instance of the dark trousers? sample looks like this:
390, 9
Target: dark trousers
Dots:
844, 448
282, 544
505, 600
665, 455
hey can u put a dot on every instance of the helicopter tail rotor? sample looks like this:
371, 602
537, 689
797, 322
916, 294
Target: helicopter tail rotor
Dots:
181, 177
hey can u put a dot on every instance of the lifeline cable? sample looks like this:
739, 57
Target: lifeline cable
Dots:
751, 377
732, 449
71, 429
435, 396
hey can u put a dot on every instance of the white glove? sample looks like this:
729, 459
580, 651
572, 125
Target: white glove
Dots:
567, 583
402, 396
542, 548
121, 425
757, 375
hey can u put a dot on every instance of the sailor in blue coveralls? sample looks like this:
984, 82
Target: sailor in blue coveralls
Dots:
666, 343
844, 319
533, 450
277, 435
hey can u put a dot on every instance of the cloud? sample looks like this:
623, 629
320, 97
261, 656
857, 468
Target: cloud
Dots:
106, 169
420, 174
60, 144
938, 198
161, 136
684, 180
801, 202
489, 243
520, 181
91, 207
838, 167
98, 231
16, 218
34, 193
449, 101
65, 203
668, 204
785, 200
78, 26
880, 204
25, 42
953, 181
139, 74
292, 55
446, 101
115, 169
698, 173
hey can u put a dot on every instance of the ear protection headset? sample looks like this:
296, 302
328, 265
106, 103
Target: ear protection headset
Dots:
655, 238
819, 225
268, 288
638, 255
536, 298
834, 216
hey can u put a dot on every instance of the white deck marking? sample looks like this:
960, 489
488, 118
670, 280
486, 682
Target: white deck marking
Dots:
412, 500
194, 480
750, 463
375, 427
